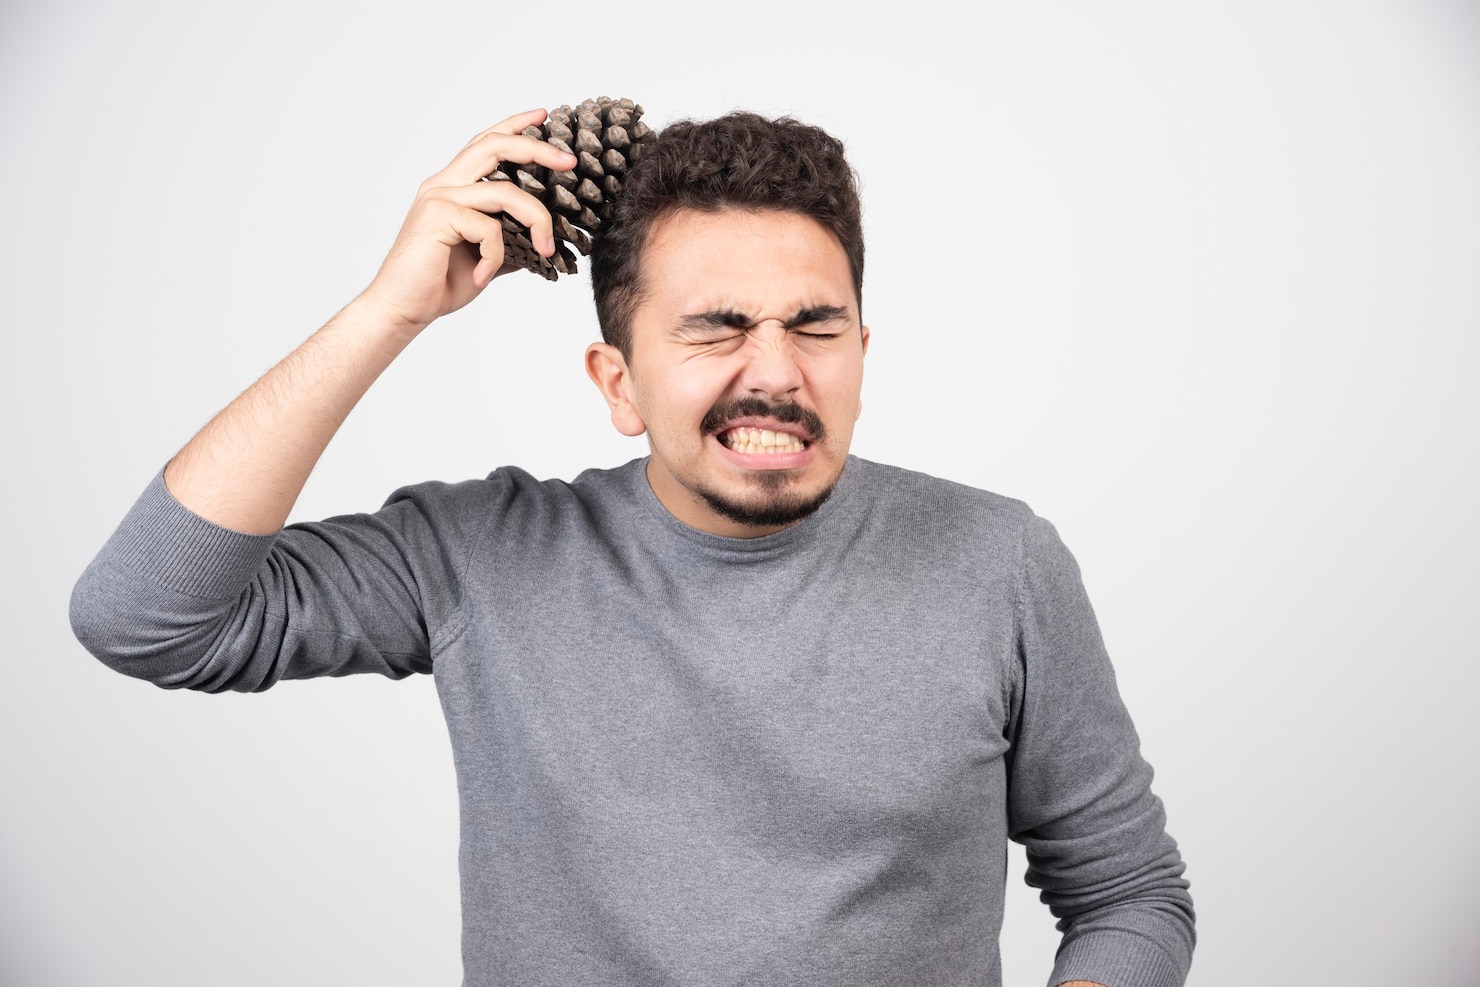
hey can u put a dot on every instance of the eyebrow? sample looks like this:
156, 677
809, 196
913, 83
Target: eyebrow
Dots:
725, 318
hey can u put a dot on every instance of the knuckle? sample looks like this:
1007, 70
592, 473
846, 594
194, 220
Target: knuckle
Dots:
429, 188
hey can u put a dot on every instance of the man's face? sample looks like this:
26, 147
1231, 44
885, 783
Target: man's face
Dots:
745, 369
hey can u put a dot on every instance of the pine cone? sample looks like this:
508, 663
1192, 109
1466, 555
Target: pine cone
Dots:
606, 136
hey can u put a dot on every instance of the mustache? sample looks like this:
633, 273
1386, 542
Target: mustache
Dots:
749, 406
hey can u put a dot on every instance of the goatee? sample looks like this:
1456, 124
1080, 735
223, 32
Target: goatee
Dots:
773, 507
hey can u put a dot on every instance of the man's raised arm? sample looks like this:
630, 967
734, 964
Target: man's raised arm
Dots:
245, 468
198, 588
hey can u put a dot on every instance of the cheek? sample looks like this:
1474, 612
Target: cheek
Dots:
680, 401
840, 388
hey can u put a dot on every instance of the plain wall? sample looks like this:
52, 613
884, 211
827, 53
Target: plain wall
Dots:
1196, 280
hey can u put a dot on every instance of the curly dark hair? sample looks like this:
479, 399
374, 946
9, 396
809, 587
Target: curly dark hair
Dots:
737, 161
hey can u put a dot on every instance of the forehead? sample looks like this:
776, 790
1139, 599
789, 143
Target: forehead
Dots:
765, 264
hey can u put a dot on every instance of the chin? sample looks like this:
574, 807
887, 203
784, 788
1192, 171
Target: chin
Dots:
773, 506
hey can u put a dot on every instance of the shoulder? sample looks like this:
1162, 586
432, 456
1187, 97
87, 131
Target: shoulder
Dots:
504, 485
949, 525
511, 496
933, 505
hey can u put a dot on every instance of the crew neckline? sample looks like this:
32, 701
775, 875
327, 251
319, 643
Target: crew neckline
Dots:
762, 546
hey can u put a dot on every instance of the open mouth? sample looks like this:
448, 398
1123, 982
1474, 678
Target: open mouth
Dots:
751, 427
761, 441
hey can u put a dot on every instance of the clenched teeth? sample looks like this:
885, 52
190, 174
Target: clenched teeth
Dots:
761, 440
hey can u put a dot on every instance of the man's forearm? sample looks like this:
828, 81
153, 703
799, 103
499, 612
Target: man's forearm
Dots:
245, 468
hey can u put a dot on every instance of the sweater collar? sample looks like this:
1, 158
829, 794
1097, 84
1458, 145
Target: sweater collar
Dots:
788, 539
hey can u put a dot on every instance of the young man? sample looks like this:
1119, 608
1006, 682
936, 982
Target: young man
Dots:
747, 711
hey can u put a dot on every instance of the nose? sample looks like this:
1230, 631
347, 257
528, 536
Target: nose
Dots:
771, 369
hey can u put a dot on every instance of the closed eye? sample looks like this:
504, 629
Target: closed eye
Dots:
820, 322
815, 322
713, 337
705, 328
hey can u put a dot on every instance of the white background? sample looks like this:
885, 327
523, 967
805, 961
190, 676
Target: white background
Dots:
1196, 280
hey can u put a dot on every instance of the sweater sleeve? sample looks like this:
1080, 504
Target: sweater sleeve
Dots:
184, 603
1080, 795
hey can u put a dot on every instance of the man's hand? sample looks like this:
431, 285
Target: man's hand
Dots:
450, 248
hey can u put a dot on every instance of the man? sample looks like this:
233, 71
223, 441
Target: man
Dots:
747, 711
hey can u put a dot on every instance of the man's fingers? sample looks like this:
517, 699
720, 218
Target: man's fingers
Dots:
512, 125
505, 197
491, 150
546, 154
502, 142
452, 242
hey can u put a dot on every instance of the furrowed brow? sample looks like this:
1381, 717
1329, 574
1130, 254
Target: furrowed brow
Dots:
703, 323
817, 315
699, 323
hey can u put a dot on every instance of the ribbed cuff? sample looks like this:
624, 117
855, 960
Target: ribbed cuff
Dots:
178, 549
1116, 959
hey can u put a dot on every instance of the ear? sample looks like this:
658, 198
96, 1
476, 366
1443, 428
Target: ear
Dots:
863, 334
607, 368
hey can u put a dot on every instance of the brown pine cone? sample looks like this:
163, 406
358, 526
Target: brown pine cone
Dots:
606, 136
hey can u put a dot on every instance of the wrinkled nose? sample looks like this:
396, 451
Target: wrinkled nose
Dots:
771, 369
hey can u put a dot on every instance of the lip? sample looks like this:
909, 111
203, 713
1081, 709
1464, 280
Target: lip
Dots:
766, 460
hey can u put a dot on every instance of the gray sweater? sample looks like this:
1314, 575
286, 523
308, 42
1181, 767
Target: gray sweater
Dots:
688, 759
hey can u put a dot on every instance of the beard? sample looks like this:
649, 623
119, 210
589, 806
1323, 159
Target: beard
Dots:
770, 506
771, 502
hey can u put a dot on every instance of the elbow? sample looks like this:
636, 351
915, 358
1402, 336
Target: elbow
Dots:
116, 634
133, 633
1123, 890
100, 622
1146, 910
